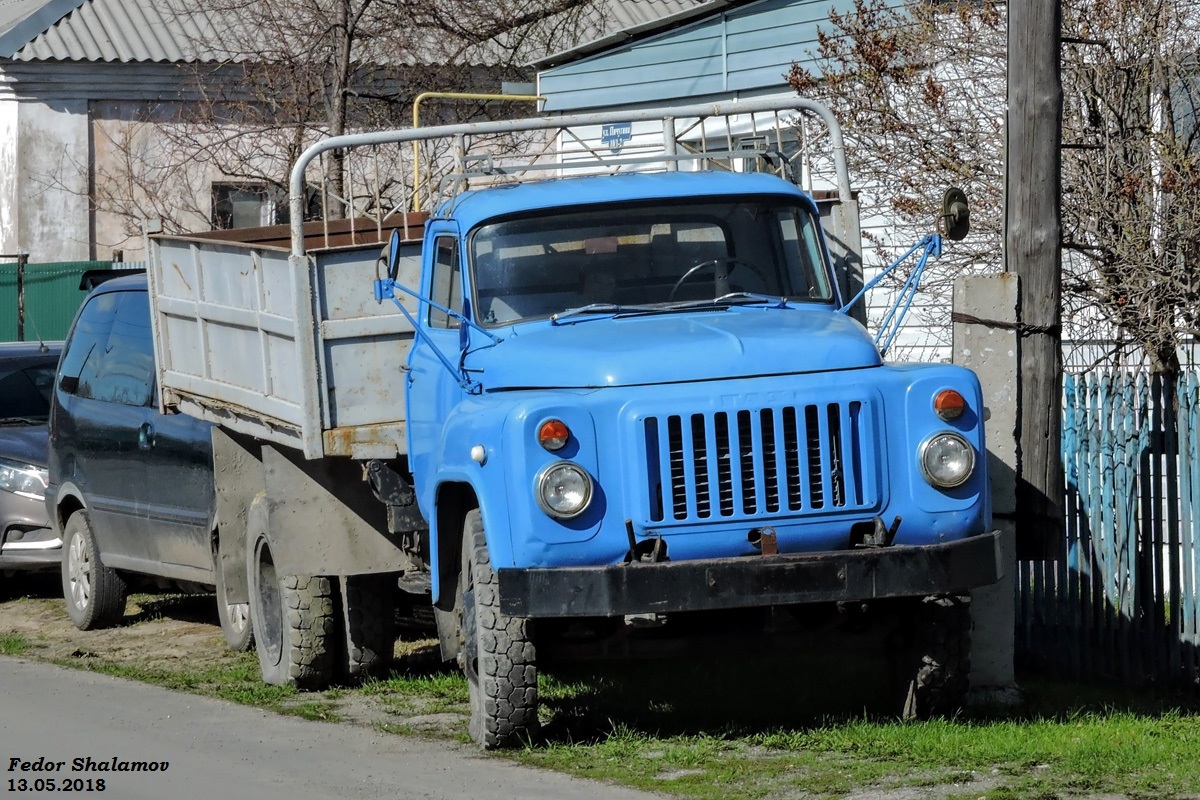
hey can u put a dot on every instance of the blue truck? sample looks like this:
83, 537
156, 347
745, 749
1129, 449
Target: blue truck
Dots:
601, 398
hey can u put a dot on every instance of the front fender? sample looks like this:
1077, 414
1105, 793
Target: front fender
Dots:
67, 494
495, 523
473, 423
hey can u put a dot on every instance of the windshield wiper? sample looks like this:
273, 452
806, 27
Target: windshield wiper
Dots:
753, 297
726, 300
597, 308
22, 420
716, 303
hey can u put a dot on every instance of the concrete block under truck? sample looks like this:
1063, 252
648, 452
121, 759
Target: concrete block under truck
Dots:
591, 398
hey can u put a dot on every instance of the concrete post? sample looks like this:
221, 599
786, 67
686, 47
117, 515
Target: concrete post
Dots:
985, 340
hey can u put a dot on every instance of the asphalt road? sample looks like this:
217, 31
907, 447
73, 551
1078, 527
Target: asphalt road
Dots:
222, 751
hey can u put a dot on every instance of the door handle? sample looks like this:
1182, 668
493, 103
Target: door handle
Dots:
145, 436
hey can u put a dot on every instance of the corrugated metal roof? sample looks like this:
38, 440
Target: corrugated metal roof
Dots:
126, 31
184, 31
13, 11
624, 14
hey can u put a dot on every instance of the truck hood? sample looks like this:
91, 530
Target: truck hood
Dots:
675, 347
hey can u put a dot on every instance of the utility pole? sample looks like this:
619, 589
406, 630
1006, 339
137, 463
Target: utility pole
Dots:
1033, 233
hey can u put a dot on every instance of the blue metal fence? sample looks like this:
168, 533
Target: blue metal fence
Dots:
1122, 601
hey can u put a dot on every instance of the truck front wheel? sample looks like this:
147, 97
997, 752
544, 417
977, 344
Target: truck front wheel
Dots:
937, 663
293, 621
496, 654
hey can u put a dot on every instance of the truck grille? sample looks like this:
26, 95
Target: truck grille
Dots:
730, 464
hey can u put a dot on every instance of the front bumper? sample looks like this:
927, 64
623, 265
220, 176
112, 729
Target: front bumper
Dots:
30, 550
708, 584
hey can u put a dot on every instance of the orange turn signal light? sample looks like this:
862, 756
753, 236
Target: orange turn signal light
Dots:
553, 434
949, 404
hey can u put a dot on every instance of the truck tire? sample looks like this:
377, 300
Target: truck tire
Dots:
939, 659
497, 653
369, 617
94, 593
293, 621
234, 617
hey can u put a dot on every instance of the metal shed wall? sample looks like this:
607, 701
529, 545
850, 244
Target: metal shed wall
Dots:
745, 50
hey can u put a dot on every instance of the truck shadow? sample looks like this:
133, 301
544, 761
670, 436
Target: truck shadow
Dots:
722, 682
736, 683
197, 608
738, 696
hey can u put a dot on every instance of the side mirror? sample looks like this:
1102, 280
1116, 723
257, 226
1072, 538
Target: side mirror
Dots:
393, 256
69, 383
956, 214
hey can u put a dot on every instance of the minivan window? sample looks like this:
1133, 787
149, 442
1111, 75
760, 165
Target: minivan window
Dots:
25, 393
118, 365
88, 341
127, 370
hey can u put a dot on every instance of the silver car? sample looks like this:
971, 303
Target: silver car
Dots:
27, 541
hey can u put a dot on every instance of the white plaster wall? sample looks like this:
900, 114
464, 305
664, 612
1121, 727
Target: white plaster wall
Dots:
9, 195
53, 222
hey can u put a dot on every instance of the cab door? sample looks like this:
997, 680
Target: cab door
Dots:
433, 387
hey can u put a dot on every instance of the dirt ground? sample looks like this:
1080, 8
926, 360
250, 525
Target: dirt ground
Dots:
156, 633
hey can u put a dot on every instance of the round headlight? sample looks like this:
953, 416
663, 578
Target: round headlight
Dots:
947, 460
563, 490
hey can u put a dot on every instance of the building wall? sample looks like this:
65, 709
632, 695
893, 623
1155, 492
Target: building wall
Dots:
47, 156
44, 156
9, 183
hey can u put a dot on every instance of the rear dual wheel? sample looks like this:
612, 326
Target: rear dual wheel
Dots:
307, 633
369, 622
293, 621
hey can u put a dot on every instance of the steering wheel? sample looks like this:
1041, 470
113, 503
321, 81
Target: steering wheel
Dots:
713, 262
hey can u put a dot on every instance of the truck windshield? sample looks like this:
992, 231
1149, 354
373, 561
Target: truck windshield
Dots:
656, 254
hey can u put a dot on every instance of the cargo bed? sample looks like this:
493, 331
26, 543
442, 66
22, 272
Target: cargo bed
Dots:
292, 350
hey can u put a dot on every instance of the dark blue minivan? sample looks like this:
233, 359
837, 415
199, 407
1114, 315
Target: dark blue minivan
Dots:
130, 489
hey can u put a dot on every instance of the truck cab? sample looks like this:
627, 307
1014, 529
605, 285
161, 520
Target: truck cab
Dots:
653, 403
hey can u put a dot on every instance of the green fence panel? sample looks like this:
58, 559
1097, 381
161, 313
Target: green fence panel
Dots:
52, 296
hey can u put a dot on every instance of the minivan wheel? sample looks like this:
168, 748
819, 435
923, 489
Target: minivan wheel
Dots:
94, 593
234, 617
293, 621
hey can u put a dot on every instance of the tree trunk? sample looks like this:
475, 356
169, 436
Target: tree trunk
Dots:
339, 83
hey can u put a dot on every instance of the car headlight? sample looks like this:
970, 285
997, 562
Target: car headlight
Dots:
947, 460
563, 490
27, 480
